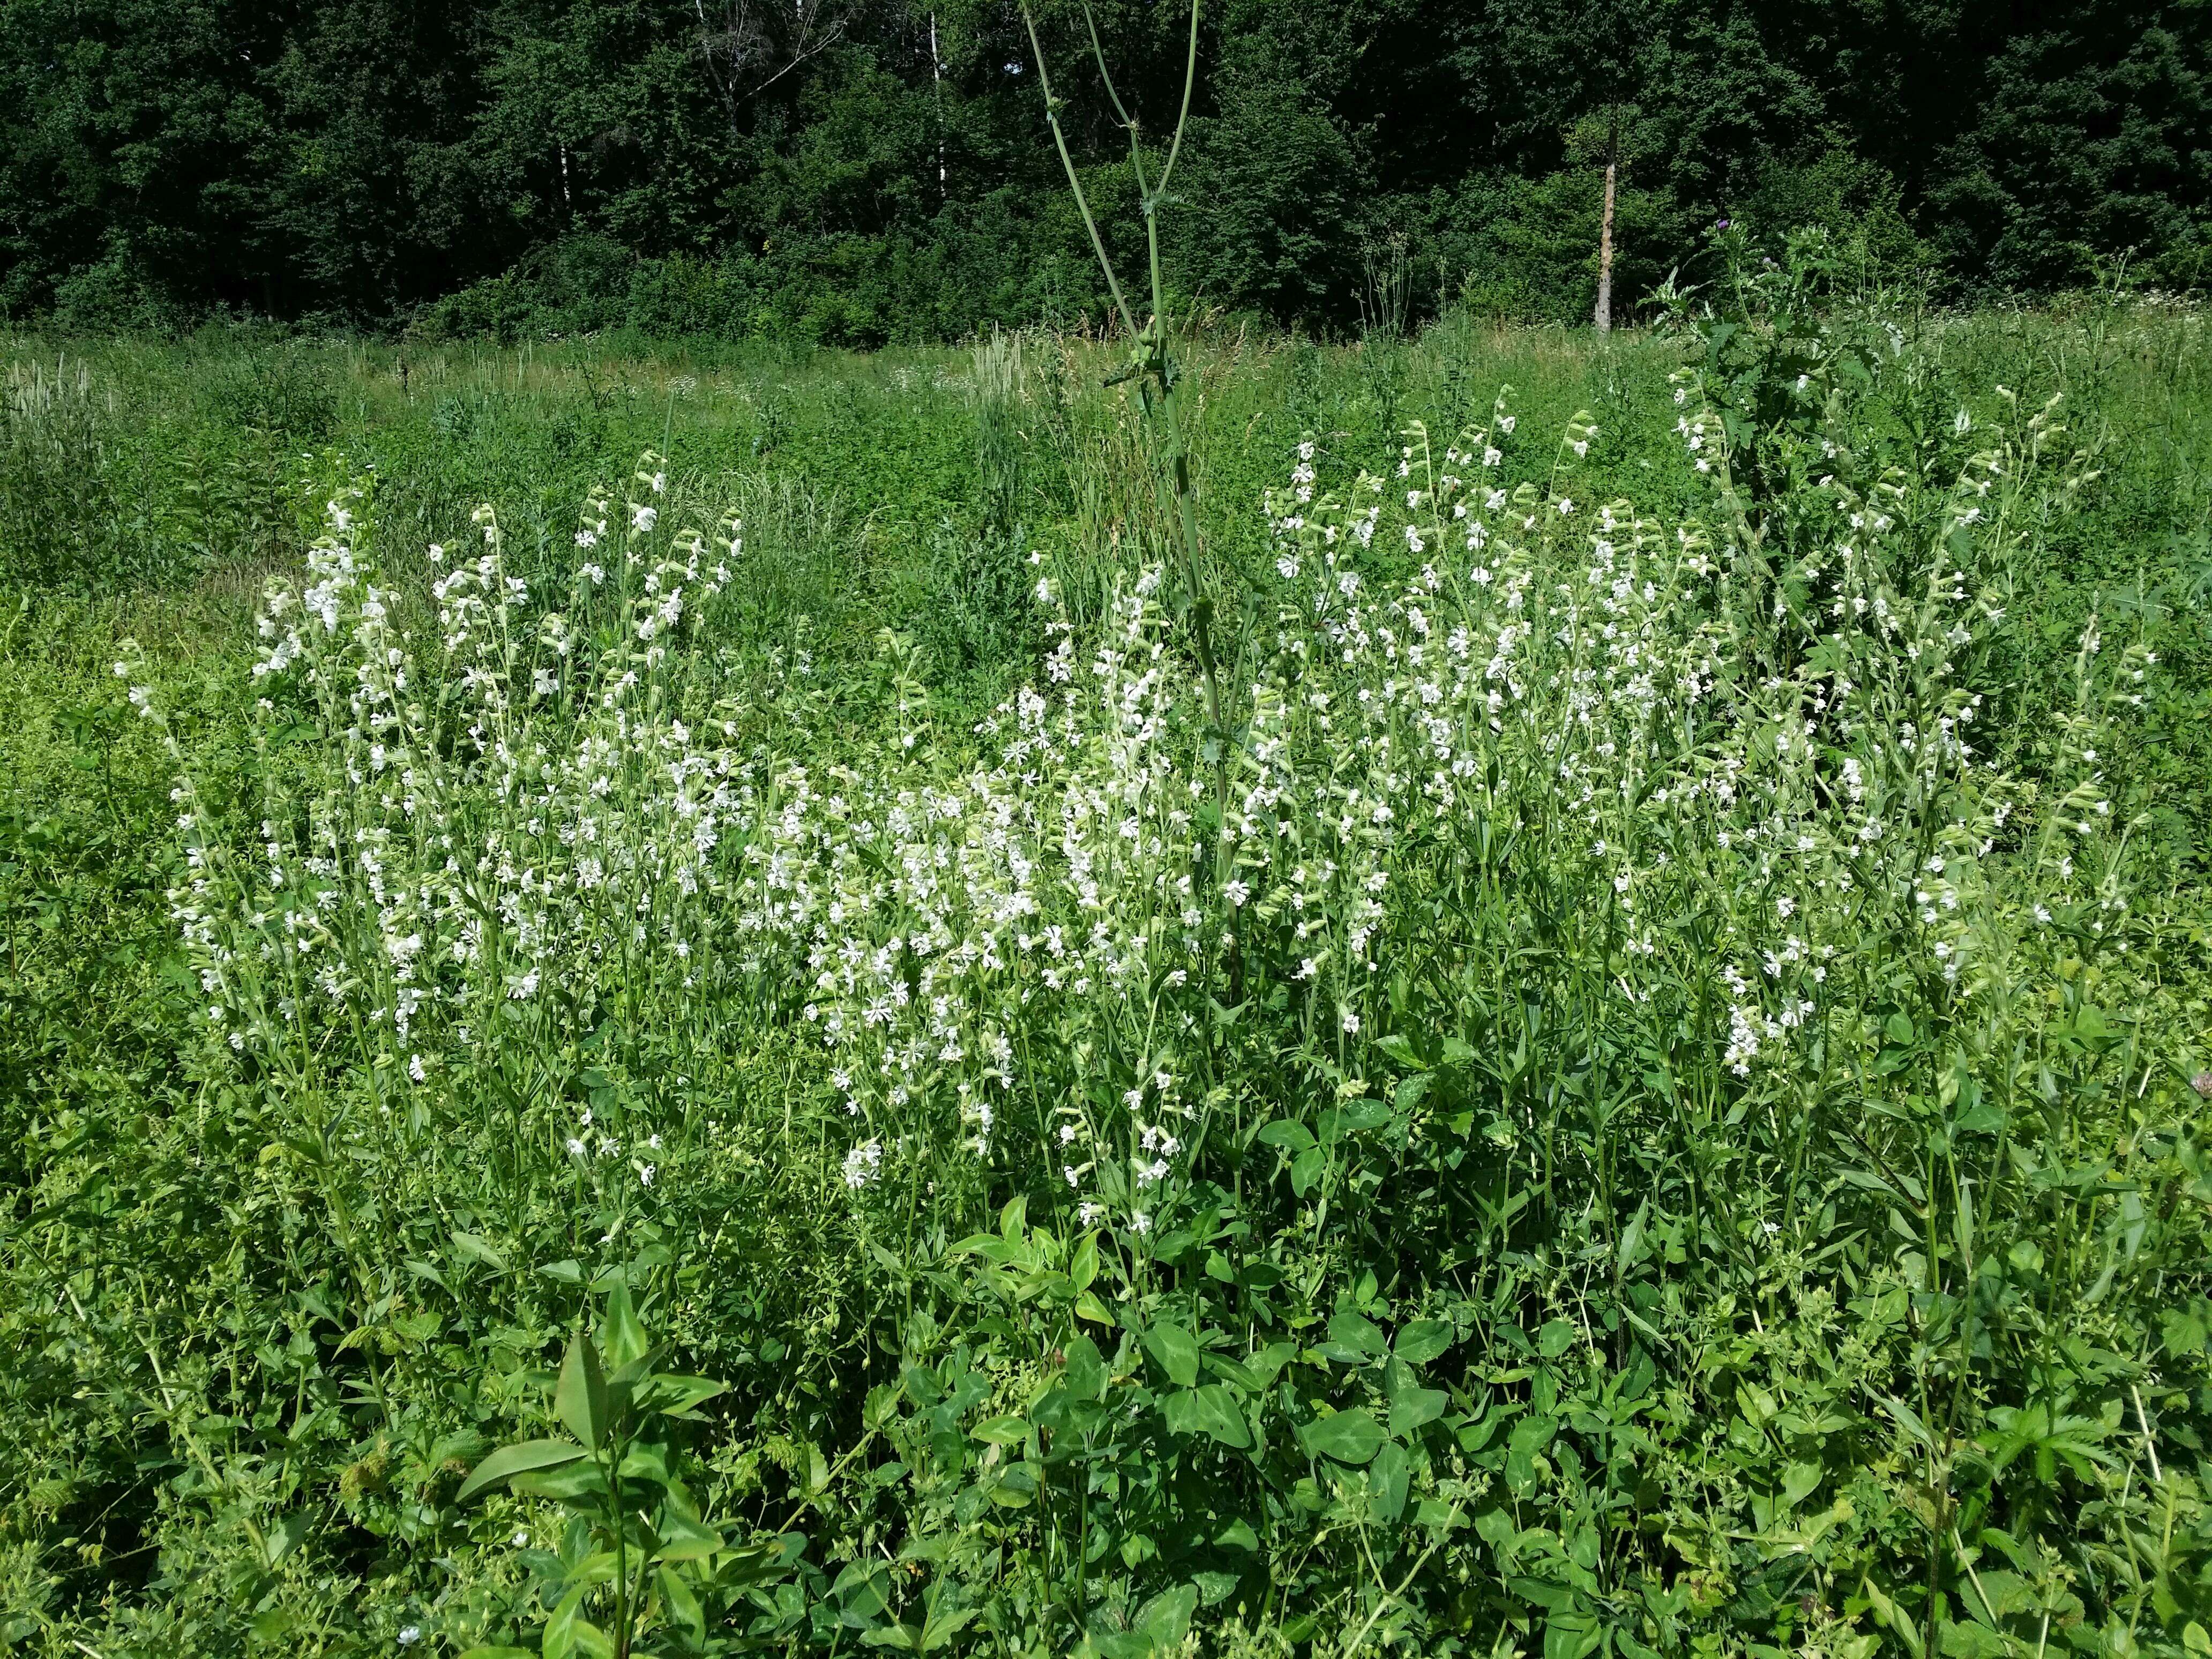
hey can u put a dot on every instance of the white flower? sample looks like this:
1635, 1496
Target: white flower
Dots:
576, 1147
1236, 892
1351, 1023
410, 1635
642, 518
864, 1164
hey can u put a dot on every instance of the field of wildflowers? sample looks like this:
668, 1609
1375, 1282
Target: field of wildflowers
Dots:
1590, 1038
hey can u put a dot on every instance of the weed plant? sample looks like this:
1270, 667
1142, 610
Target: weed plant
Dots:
1660, 1111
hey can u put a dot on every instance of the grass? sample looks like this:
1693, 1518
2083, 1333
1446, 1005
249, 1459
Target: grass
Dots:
1643, 1090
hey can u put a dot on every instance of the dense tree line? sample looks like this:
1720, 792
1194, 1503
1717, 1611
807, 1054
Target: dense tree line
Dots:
859, 170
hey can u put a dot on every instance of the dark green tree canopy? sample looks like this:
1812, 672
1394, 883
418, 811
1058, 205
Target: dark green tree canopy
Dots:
862, 170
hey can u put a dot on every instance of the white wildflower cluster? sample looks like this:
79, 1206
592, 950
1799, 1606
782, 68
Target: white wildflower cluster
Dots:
1561, 720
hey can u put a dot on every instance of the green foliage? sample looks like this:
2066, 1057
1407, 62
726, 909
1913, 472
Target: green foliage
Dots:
857, 175
1462, 1236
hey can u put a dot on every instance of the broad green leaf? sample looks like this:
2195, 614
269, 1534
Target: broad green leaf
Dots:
1001, 1430
1424, 1339
1353, 1436
581, 1399
1176, 1350
682, 1606
1400, 1049
938, 1633
686, 1538
1416, 1407
1084, 1267
479, 1248
568, 1484
677, 1396
1391, 1475
1166, 1618
1214, 1588
622, 1333
1799, 1481
517, 1459
1358, 1335
1087, 1375
569, 1632
1210, 1410
1361, 1116
1286, 1133
759, 1563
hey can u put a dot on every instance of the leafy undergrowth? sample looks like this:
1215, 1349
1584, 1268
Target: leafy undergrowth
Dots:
1642, 1092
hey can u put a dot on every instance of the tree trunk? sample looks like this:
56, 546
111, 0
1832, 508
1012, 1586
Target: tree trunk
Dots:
1605, 255
937, 92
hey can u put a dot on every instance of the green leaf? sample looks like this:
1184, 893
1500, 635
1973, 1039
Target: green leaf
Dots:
1356, 1335
479, 1248
1799, 1481
1400, 1049
1176, 1350
518, 1459
567, 1631
581, 1399
1353, 1436
1214, 1588
1391, 1476
622, 1333
1416, 1407
684, 1538
1001, 1430
677, 1396
1287, 1132
1424, 1339
1210, 1410
1084, 1267
1087, 1375
1166, 1617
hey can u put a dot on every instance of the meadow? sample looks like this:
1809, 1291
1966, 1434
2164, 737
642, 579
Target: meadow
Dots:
687, 998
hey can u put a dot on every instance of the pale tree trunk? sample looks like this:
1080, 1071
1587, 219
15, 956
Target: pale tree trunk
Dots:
937, 92
1605, 254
